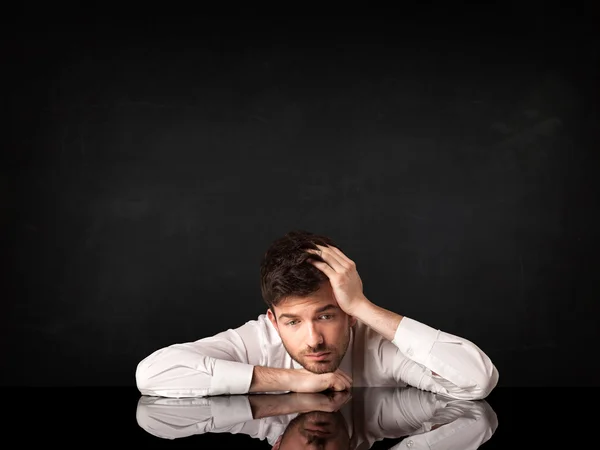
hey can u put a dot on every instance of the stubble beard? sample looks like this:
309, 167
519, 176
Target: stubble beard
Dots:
319, 367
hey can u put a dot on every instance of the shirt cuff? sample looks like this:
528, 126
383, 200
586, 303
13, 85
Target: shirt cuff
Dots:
229, 411
231, 377
415, 339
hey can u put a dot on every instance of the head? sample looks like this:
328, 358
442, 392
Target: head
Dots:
316, 429
301, 304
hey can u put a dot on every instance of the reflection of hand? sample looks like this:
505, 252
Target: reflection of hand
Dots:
326, 402
266, 405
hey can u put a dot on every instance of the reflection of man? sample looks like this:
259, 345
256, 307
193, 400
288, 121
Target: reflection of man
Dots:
320, 332
316, 429
327, 420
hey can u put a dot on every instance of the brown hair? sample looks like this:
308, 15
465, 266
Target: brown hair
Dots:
284, 271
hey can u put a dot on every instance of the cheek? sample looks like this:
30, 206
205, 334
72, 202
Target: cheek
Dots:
289, 339
336, 333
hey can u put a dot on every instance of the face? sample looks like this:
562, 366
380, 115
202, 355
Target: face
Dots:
314, 329
322, 430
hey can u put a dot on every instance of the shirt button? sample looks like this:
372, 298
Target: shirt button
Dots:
409, 443
410, 353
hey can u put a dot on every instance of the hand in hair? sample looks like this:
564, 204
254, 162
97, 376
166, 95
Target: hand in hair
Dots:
343, 276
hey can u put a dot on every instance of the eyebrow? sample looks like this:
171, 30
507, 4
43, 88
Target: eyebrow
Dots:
320, 310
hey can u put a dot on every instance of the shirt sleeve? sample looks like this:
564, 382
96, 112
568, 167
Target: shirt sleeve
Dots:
460, 424
426, 420
215, 365
440, 362
169, 418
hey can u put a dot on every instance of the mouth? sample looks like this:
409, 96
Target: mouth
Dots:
318, 356
318, 432
319, 427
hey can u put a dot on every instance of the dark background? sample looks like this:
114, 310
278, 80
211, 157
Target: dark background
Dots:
147, 165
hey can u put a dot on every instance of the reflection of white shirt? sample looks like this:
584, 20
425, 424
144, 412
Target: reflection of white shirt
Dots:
223, 363
372, 414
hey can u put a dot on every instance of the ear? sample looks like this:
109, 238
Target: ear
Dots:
272, 318
277, 443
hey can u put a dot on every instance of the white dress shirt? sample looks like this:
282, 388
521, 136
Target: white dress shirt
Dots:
425, 420
418, 356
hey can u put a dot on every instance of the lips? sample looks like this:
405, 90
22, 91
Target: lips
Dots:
318, 432
321, 355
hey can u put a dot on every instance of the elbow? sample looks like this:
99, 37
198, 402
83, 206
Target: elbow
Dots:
167, 373
491, 382
485, 388
478, 389
143, 376
149, 370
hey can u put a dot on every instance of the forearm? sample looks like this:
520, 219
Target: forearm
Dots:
267, 379
381, 320
274, 405
377, 318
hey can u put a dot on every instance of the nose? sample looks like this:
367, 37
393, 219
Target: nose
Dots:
314, 337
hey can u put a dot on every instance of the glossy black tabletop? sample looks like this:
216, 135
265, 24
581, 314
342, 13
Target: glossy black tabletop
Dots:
377, 418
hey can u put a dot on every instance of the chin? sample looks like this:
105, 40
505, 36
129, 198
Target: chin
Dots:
320, 368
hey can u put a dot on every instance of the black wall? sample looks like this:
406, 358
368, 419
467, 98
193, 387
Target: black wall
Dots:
148, 165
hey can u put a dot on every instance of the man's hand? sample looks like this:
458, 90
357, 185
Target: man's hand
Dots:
348, 290
305, 381
343, 276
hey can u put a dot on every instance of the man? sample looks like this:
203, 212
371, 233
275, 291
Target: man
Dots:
320, 332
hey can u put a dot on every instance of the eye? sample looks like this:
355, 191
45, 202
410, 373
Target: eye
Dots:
327, 316
292, 322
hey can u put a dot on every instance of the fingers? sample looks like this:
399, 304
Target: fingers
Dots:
337, 399
339, 396
338, 383
339, 255
323, 267
347, 377
329, 257
332, 259
342, 397
347, 384
343, 258
343, 379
